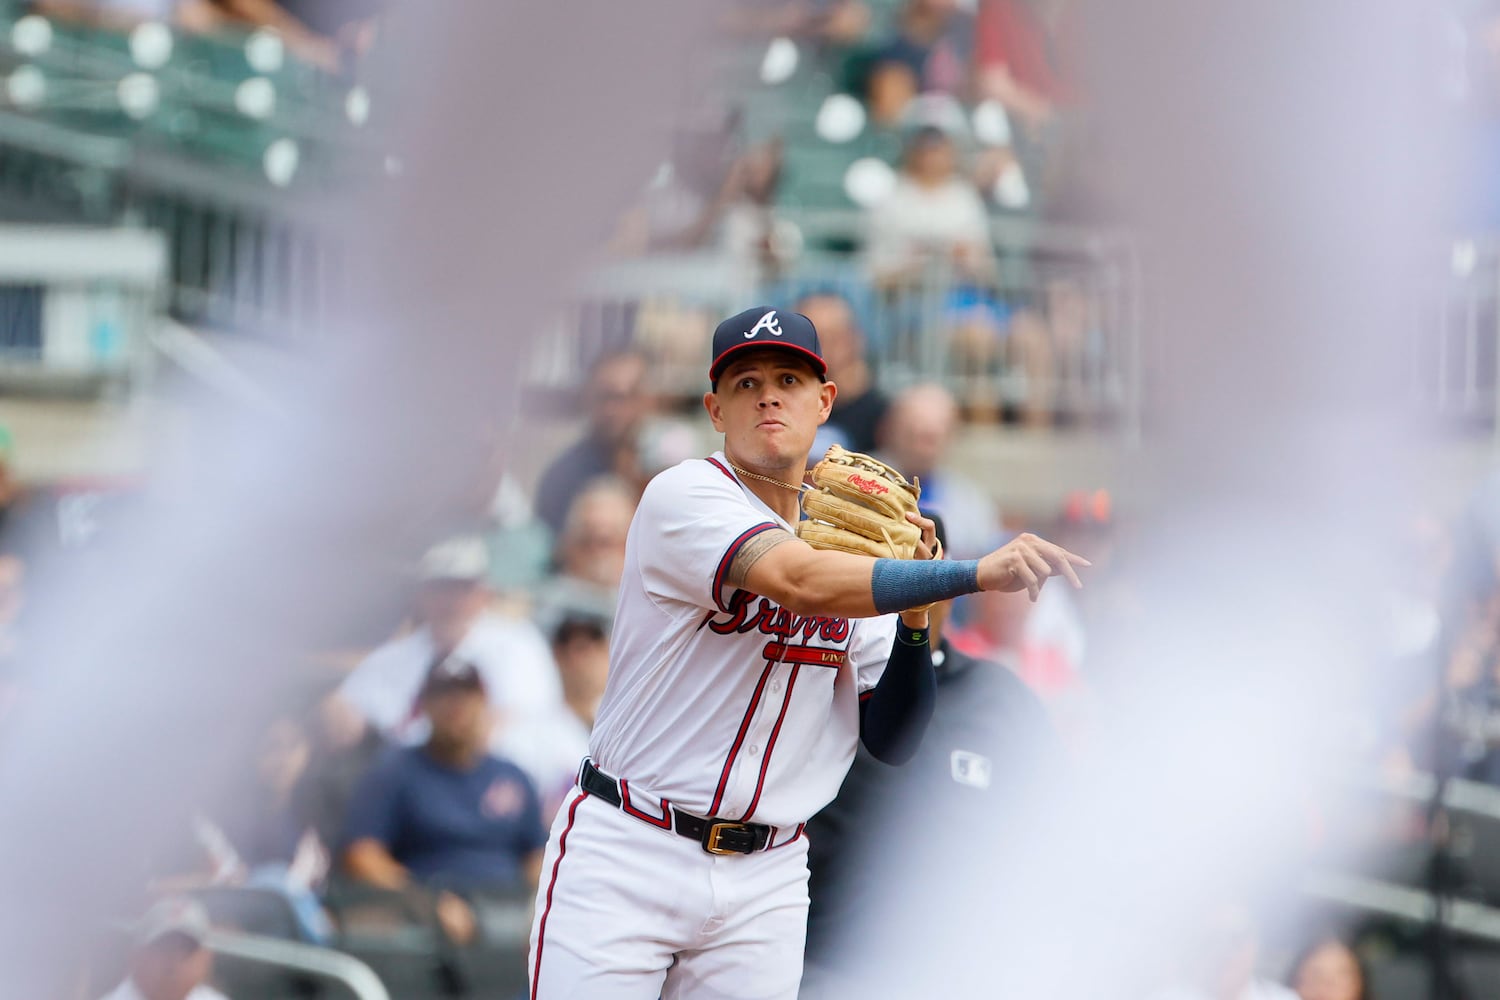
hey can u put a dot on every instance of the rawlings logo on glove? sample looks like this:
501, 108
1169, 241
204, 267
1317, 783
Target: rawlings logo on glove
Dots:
860, 505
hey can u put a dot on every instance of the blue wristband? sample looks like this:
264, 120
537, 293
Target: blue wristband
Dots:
898, 584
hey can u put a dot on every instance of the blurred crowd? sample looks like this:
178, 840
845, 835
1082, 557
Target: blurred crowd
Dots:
327, 34
944, 116
422, 774
415, 781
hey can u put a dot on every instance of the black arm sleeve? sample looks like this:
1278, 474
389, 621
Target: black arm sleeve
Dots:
893, 717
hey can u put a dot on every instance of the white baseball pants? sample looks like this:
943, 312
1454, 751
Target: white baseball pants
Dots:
628, 911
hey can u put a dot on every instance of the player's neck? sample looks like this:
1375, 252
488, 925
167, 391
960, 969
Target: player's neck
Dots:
784, 496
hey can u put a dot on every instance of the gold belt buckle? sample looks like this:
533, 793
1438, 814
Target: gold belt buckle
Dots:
716, 833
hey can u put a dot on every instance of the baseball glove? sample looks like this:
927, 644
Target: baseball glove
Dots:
860, 505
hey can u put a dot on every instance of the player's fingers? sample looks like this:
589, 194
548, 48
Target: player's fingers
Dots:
1022, 572
1039, 566
1057, 556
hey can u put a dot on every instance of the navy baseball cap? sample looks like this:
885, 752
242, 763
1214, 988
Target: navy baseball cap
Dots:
761, 327
452, 673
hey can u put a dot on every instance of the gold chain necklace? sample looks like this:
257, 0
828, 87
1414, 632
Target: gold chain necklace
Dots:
799, 488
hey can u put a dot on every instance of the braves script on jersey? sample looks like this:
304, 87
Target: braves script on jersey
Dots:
719, 700
722, 704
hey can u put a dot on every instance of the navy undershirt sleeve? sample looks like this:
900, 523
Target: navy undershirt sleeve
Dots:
896, 712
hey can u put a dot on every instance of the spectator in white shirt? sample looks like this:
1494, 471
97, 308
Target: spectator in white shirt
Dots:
934, 215
169, 961
550, 748
454, 617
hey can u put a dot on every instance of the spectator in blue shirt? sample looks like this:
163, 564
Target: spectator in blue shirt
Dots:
446, 814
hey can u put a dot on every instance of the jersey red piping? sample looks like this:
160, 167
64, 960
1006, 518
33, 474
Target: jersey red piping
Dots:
664, 823
739, 739
720, 466
541, 930
765, 762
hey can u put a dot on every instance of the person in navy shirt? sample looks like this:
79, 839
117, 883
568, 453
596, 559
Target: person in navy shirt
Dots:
447, 814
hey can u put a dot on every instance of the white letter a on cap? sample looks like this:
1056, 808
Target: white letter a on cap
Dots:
766, 322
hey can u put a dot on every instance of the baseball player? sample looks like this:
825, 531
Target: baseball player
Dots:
744, 666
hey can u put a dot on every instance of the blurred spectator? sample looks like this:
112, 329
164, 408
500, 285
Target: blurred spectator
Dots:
343, 748
590, 555
1010, 629
169, 960
1024, 62
891, 84
120, 15
453, 617
988, 747
1072, 359
933, 216
1219, 961
550, 747
1329, 970
315, 31
447, 814
928, 51
837, 22
318, 32
915, 437
616, 402
860, 405
265, 837
710, 215
1018, 59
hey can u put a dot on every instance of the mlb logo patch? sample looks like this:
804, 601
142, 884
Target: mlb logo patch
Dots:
970, 768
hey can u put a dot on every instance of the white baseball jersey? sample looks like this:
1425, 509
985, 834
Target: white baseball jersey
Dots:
720, 701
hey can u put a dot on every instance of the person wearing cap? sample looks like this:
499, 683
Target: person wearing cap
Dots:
745, 666
453, 617
169, 960
447, 814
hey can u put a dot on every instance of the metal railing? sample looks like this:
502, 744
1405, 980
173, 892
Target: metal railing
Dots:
1055, 326
1456, 346
354, 976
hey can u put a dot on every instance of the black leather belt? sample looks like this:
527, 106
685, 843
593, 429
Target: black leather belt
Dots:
718, 836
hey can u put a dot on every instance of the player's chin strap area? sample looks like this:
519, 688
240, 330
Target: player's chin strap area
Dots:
718, 836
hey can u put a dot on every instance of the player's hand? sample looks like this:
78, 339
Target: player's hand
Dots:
1025, 563
928, 545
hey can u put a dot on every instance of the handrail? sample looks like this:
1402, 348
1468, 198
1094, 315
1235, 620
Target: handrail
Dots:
1405, 903
1459, 794
295, 956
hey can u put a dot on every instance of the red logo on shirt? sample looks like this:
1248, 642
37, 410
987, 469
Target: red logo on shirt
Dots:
502, 799
868, 485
